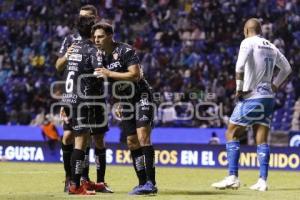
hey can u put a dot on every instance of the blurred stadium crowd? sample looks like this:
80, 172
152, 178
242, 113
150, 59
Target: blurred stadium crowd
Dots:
185, 46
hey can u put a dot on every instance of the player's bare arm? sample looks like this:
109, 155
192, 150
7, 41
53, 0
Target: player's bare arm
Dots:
133, 73
61, 62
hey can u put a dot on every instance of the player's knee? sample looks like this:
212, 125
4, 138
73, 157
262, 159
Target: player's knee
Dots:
233, 133
144, 134
99, 142
133, 142
68, 138
144, 139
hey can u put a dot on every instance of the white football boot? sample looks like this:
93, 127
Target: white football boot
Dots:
228, 182
261, 185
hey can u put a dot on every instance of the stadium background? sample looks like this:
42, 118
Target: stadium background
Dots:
185, 47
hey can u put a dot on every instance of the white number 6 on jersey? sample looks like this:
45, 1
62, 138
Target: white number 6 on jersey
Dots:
70, 82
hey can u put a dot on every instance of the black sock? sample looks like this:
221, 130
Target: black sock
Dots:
149, 163
139, 165
67, 152
77, 164
86, 165
100, 160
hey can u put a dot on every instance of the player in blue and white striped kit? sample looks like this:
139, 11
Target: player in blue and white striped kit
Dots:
255, 90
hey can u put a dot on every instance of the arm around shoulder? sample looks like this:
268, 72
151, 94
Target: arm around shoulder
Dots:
60, 63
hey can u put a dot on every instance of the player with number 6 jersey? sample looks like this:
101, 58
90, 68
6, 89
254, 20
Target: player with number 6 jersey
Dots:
85, 108
67, 145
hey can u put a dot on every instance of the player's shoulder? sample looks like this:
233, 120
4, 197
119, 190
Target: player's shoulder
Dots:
123, 45
249, 40
123, 48
85, 46
246, 43
272, 45
91, 48
73, 37
254, 41
267, 42
258, 39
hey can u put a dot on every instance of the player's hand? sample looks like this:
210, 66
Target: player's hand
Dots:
274, 88
63, 116
239, 95
118, 110
100, 72
69, 51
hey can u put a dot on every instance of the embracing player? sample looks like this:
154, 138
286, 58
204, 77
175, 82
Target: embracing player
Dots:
68, 137
122, 67
67, 48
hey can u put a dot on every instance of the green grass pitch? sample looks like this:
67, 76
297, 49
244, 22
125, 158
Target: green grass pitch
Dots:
45, 181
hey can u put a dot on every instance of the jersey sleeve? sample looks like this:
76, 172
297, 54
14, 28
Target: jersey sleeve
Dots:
67, 42
285, 69
130, 57
245, 50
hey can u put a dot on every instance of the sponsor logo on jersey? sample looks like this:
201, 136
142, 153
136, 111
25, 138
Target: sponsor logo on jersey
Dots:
72, 63
264, 47
145, 108
75, 57
75, 50
72, 68
114, 65
264, 89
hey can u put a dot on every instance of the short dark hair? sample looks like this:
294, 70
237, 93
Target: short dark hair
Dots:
84, 26
108, 29
90, 8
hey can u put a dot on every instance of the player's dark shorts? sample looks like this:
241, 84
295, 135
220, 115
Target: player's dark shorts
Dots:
87, 118
142, 115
